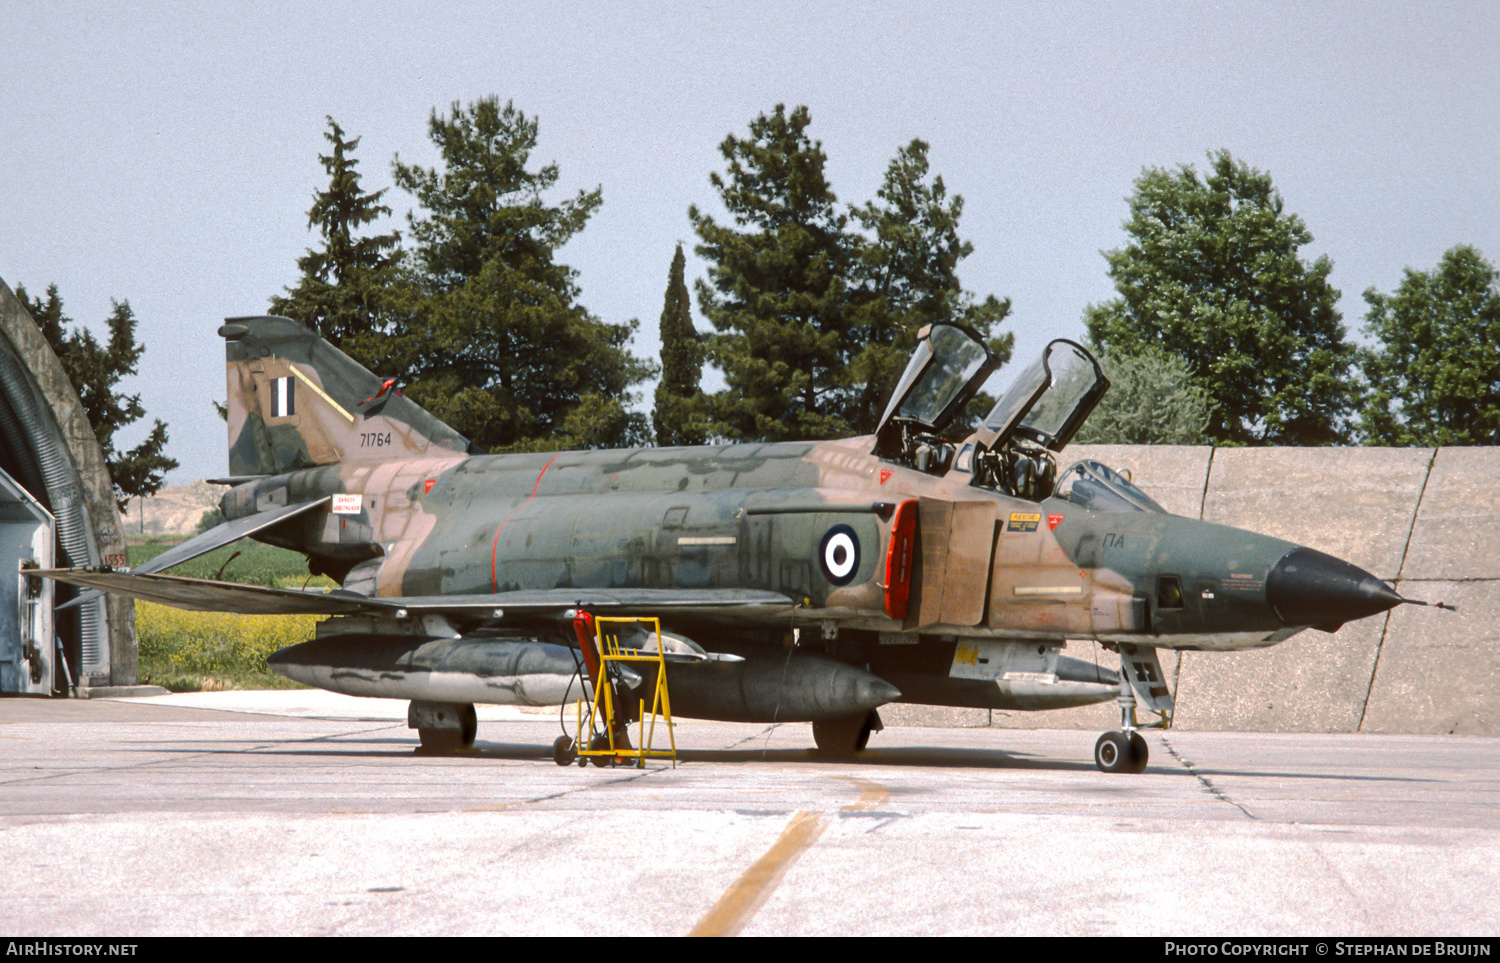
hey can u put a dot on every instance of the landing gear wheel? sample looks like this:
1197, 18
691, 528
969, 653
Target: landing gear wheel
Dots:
842, 738
442, 740
601, 744
563, 752
1121, 752
443, 727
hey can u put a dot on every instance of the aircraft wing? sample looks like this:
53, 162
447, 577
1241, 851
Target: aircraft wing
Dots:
207, 595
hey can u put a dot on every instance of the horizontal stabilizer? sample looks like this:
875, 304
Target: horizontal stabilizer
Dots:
221, 535
207, 595
202, 544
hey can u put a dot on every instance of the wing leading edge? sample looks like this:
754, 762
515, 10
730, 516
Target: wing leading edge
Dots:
208, 595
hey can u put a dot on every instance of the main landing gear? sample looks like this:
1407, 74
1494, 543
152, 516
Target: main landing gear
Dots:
443, 727
841, 738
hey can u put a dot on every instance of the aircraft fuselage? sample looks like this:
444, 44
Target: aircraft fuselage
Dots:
777, 517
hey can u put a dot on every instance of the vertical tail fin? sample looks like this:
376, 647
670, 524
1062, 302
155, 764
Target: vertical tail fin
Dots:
296, 401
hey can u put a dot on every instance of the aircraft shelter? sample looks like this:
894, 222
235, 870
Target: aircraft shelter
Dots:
56, 508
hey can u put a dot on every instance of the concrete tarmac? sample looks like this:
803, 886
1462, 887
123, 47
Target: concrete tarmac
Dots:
308, 813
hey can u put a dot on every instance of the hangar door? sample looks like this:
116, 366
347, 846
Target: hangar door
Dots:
26, 640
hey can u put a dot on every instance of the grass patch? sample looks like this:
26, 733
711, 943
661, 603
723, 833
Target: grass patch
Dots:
206, 651
245, 561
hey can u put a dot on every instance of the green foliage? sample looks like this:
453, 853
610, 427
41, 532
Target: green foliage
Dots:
777, 288
1435, 374
1152, 400
95, 370
248, 562
1212, 275
343, 291
679, 417
191, 651
212, 518
906, 276
816, 320
488, 334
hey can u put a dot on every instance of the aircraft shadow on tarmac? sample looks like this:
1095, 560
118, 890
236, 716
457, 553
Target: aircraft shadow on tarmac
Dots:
371, 745
379, 743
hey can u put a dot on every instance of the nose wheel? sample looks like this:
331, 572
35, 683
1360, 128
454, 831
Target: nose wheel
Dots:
1121, 752
1140, 674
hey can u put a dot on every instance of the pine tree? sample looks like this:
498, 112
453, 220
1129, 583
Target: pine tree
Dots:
778, 287
95, 369
344, 289
489, 333
678, 417
906, 277
1213, 275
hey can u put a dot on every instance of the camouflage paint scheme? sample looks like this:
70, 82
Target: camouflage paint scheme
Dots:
899, 562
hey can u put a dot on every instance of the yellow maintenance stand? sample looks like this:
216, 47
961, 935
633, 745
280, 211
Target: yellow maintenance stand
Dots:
614, 648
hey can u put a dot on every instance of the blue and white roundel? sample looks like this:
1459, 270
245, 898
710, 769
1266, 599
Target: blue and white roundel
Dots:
839, 555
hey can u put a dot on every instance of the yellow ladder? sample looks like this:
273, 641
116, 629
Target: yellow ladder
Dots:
612, 649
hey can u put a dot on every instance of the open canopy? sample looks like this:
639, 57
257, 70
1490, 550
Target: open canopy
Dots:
947, 368
1050, 400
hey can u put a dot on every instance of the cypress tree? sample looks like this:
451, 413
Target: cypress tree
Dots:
678, 416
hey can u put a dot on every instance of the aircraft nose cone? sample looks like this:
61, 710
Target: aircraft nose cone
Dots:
1307, 587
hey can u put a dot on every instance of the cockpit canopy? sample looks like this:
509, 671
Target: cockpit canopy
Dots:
1012, 450
947, 368
1049, 402
1099, 488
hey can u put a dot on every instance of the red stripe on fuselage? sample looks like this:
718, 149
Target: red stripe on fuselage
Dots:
495, 547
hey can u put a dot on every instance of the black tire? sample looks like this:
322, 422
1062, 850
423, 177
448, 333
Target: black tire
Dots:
1113, 753
600, 743
562, 751
469, 721
442, 740
1140, 753
842, 738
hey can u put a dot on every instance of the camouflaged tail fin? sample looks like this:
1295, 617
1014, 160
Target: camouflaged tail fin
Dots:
296, 401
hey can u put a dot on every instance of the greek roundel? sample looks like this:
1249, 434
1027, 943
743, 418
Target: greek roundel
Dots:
838, 555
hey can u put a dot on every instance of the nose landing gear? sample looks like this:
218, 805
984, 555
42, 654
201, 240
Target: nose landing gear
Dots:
1126, 750
1121, 752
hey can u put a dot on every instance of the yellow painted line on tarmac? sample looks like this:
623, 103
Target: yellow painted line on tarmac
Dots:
872, 796
749, 893
740, 902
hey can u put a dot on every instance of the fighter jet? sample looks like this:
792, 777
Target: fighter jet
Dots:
795, 582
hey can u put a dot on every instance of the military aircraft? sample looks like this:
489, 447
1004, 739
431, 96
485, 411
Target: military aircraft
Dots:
828, 578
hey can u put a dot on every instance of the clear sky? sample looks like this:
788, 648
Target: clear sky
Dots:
166, 153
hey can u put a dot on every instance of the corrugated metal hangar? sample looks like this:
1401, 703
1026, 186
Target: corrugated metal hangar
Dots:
56, 508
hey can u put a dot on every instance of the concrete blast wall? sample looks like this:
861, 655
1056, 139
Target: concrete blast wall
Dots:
1427, 520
